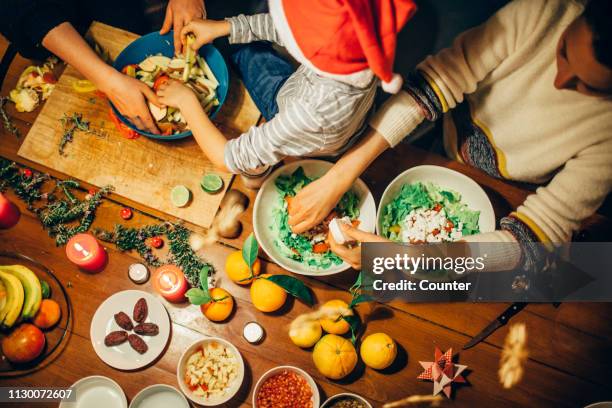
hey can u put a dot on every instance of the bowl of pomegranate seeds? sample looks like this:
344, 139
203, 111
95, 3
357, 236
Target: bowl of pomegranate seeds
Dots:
286, 387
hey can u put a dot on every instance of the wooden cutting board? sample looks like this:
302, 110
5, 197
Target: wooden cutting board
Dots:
142, 170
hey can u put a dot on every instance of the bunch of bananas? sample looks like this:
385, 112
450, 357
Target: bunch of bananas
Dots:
20, 294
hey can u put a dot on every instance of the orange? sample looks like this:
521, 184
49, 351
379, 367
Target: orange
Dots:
334, 356
335, 325
378, 351
238, 270
218, 310
266, 295
48, 314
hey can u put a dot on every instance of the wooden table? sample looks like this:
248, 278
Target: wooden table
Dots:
568, 365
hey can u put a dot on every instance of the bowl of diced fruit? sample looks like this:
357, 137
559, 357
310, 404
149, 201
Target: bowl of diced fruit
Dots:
210, 371
151, 60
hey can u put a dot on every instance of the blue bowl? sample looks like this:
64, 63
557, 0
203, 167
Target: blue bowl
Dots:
154, 44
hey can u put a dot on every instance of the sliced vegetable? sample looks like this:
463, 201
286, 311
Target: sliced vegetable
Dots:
211, 183
180, 196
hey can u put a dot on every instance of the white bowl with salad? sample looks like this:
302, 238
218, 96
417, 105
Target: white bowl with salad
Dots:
429, 204
308, 253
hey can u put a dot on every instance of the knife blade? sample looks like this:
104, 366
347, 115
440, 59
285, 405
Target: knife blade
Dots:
501, 320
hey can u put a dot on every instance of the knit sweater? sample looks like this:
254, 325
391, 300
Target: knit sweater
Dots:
317, 116
502, 114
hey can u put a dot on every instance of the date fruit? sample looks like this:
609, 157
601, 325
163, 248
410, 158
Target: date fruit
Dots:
115, 338
124, 321
147, 329
137, 343
140, 310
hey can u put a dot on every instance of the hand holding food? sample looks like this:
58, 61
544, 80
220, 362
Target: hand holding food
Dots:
178, 14
130, 97
352, 254
312, 204
205, 31
173, 93
163, 74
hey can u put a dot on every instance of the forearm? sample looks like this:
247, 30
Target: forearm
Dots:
65, 42
258, 27
357, 160
209, 138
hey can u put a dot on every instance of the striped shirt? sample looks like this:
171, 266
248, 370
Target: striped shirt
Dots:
317, 116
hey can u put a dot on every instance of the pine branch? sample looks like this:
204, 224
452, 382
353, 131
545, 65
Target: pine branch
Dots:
8, 124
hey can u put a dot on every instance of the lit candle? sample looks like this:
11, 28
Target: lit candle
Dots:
85, 251
169, 281
9, 213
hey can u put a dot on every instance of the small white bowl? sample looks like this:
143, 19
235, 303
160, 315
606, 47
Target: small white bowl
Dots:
234, 386
316, 399
96, 391
359, 398
159, 396
471, 193
267, 201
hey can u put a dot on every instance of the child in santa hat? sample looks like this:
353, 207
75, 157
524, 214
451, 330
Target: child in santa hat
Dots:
316, 110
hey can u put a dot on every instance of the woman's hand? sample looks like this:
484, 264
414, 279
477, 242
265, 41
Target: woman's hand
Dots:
205, 31
130, 97
313, 203
352, 255
178, 14
174, 93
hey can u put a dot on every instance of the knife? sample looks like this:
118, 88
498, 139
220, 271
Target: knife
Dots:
501, 320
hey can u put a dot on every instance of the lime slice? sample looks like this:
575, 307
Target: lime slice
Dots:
83, 86
180, 196
211, 183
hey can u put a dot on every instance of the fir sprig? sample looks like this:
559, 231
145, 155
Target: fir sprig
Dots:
62, 216
181, 253
71, 124
8, 124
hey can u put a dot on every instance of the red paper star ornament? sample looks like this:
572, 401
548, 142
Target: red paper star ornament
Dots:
442, 371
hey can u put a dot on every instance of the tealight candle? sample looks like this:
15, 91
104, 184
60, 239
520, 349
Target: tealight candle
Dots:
85, 251
169, 281
9, 213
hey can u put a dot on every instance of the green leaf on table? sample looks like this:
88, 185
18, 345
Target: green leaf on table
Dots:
204, 272
357, 285
355, 323
294, 287
198, 296
250, 249
360, 299
201, 295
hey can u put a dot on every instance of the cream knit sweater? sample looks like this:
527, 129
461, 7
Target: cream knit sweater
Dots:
559, 139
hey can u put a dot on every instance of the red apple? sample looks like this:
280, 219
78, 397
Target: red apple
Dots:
24, 344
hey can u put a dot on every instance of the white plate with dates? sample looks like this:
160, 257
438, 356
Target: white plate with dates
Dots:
123, 356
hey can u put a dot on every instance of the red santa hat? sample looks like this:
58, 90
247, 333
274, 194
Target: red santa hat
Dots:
348, 40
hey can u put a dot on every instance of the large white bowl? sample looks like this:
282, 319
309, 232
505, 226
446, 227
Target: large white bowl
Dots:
96, 391
159, 396
316, 398
471, 193
268, 200
234, 386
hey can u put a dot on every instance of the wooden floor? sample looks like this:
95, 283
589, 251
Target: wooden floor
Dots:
568, 365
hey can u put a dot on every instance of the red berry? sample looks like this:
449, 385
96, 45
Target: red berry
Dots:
126, 213
91, 191
27, 173
157, 242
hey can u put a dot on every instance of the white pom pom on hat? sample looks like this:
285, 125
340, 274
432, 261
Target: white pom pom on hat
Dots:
394, 85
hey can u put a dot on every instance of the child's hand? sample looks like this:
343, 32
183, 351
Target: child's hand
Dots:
175, 94
205, 31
